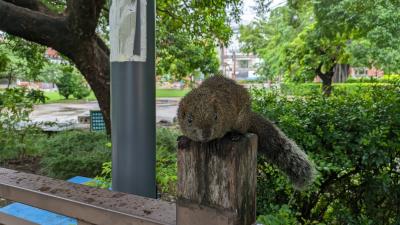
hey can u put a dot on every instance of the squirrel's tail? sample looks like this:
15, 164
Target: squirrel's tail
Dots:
282, 152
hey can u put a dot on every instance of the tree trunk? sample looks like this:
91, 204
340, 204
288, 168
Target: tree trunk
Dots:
326, 80
327, 86
9, 79
341, 73
97, 73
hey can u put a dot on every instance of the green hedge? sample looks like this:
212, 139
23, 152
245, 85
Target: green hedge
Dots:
385, 79
74, 153
166, 164
338, 88
18, 141
300, 89
354, 140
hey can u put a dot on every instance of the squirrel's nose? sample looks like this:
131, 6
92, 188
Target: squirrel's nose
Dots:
206, 133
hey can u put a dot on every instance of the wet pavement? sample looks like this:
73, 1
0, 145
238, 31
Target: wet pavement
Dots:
67, 113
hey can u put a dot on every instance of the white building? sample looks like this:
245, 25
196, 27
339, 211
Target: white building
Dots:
235, 64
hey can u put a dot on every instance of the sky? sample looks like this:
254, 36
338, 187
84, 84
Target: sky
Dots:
249, 13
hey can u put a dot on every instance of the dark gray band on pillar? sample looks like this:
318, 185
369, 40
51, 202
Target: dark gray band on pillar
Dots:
133, 119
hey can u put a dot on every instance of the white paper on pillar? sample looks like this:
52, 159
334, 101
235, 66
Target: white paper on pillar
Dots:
123, 27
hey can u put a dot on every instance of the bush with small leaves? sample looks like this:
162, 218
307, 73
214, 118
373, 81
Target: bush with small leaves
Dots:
354, 140
73, 153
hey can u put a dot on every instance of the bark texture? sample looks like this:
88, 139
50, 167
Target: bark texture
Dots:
72, 33
217, 181
326, 78
341, 73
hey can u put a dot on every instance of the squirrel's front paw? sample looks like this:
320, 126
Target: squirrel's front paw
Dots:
183, 142
234, 136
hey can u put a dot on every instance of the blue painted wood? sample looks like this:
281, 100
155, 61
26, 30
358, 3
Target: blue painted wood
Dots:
40, 216
36, 215
79, 180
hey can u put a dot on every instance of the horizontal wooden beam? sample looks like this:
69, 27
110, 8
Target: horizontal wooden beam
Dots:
88, 204
8, 219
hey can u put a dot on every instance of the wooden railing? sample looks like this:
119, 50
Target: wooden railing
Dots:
216, 187
86, 204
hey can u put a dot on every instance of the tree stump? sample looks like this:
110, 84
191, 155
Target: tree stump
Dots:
217, 181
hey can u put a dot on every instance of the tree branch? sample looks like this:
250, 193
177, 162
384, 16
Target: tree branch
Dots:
32, 25
325, 185
102, 45
34, 5
83, 15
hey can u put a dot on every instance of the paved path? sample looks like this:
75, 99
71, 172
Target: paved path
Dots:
69, 112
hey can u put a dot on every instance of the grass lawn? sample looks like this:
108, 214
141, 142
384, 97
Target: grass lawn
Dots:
55, 97
168, 93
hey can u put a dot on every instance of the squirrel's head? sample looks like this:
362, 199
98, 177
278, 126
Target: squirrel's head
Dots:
200, 116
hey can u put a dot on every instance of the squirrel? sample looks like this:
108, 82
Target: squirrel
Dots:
220, 106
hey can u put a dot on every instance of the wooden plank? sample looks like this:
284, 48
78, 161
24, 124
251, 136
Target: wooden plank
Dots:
6, 219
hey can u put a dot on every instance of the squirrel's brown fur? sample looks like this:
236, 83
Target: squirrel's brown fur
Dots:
219, 106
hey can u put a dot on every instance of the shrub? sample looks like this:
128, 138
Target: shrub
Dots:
66, 83
363, 80
393, 78
253, 81
300, 89
166, 172
338, 88
166, 161
166, 138
72, 83
20, 144
354, 140
104, 179
166, 167
81, 91
73, 153
17, 138
279, 216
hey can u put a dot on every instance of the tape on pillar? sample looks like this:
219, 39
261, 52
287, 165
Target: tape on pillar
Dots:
128, 30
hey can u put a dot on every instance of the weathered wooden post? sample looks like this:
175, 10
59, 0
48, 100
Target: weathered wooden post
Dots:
217, 182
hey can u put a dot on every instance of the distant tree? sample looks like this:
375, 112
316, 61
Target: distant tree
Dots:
184, 56
81, 89
51, 72
31, 55
21, 59
66, 83
308, 38
371, 26
268, 38
4, 64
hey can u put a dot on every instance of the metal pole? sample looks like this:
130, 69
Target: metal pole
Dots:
132, 24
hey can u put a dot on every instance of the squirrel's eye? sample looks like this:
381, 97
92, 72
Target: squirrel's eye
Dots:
215, 116
190, 119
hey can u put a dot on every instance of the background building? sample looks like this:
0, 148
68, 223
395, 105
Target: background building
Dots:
235, 64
